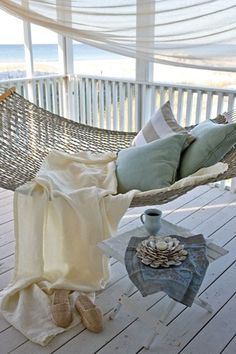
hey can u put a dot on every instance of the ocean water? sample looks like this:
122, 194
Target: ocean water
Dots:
14, 53
92, 61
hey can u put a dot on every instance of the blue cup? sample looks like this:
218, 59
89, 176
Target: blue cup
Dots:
151, 220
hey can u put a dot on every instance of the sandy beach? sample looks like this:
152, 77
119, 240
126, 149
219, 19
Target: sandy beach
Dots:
125, 68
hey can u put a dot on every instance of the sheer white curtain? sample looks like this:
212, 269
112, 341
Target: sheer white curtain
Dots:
195, 33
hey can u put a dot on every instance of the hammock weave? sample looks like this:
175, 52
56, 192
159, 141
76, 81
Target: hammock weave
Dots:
28, 133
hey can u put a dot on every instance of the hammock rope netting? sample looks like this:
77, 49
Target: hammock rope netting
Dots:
28, 133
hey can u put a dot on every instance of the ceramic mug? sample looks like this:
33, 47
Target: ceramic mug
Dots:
151, 220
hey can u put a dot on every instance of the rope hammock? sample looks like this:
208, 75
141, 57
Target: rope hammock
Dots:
28, 133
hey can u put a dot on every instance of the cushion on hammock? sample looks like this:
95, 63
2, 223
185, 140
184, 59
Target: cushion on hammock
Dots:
229, 116
161, 124
150, 166
212, 142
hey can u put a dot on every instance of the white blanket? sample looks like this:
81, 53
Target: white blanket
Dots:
59, 218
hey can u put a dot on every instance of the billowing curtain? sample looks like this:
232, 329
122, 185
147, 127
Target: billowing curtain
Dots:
194, 33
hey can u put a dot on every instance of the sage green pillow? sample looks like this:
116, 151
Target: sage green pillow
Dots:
150, 166
212, 142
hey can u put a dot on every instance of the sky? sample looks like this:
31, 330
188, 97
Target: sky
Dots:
11, 31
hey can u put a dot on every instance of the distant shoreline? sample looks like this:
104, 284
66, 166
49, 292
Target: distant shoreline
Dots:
9, 71
125, 69
14, 53
122, 68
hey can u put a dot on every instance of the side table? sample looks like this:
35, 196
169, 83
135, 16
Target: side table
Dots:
115, 247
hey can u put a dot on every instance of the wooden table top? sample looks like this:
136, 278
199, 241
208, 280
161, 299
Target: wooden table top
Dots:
116, 246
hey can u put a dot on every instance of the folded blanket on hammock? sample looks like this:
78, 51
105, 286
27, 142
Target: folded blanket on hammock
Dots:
59, 218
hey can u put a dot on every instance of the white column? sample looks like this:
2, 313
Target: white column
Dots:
28, 49
66, 63
29, 61
66, 67
65, 55
144, 68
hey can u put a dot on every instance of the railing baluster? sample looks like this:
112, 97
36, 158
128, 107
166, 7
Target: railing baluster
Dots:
108, 103
25, 90
144, 116
209, 105
162, 95
47, 94
171, 96
219, 111
153, 100
220, 102
231, 99
101, 104
33, 91
138, 123
60, 97
115, 105
70, 99
54, 97
198, 107
180, 106
130, 107
40, 93
188, 119
231, 102
88, 101
82, 101
94, 103
18, 87
76, 100
122, 105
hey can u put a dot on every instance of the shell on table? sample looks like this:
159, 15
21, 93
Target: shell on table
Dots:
161, 251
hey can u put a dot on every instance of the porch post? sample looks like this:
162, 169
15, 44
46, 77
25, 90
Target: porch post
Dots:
66, 65
144, 69
29, 61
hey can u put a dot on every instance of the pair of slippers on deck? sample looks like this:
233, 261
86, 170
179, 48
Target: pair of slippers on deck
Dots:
91, 316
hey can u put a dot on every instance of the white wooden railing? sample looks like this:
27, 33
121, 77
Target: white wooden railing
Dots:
122, 104
126, 104
45, 91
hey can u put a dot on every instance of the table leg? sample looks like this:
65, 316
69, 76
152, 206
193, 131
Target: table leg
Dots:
117, 308
168, 310
203, 304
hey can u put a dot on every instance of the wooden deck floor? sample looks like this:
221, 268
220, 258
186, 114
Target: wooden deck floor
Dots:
191, 331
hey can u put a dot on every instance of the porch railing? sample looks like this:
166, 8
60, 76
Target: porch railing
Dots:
46, 91
122, 104
126, 104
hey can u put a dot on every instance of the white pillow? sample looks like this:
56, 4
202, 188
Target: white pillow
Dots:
161, 124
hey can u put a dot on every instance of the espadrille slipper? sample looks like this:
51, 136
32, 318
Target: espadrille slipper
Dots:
61, 309
91, 315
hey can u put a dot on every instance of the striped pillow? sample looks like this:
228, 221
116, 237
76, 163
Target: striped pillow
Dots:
230, 116
161, 124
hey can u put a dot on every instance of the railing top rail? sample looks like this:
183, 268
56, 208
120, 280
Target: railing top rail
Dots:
183, 87
174, 86
31, 79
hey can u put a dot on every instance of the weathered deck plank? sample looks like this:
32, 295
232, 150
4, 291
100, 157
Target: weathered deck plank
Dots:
205, 210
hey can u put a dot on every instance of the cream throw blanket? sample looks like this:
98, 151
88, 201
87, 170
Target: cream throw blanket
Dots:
59, 219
